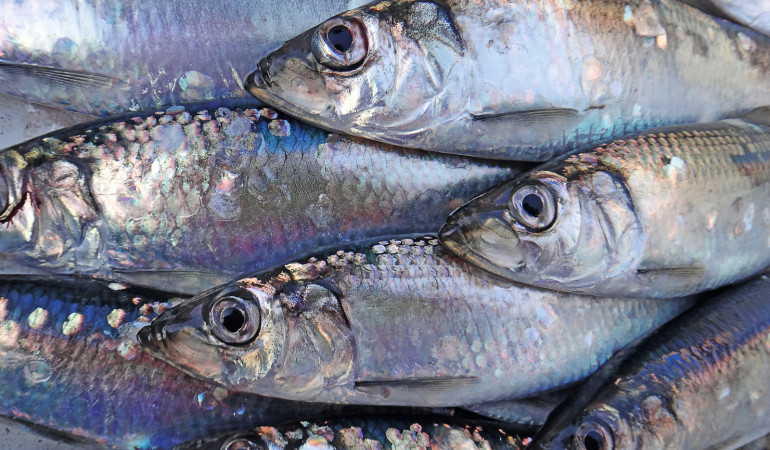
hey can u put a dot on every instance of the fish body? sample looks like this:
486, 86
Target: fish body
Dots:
524, 80
699, 382
189, 199
366, 432
107, 57
666, 213
69, 361
402, 323
754, 14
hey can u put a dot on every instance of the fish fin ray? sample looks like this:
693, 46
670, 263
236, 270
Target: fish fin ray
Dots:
676, 272
529, 116
58, 77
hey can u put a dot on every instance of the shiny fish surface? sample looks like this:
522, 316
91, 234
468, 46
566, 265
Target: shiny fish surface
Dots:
186, 200
402, 323
69, 360
666, 213
111, 56
754, 14
525, 80
367, 432
701, 382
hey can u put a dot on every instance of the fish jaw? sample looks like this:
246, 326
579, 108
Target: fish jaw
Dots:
479, 234
176, 342
289, 76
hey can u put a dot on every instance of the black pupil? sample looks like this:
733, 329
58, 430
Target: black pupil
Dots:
233, 319
340, 38
533, 205
593, 441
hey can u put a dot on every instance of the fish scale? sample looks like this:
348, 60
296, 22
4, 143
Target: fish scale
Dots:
188, 200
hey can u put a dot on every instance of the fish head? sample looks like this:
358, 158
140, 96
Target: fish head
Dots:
551, 227
624, 424
292, 342
388, 71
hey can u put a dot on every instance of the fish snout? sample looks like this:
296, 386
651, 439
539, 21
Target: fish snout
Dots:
484, 238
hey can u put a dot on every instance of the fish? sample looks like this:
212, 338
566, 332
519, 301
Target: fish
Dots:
115, 56
20, 435
69, 360
367, 432
754, 14
699, 382
191, 197
401, 322
669, 212
524, 80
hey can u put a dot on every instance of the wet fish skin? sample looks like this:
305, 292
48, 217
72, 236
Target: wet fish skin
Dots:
403, 323
525, 80
700, 382
107, 57
666, 213
69, 360
367, 432
754, 14
190, 199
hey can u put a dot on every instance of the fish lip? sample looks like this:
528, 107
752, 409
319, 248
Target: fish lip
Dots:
151, 340
452, 236
256, 84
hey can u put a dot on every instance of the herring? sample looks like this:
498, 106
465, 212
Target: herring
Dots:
401, 323
700, 382
525, 80
195, 196
666, 213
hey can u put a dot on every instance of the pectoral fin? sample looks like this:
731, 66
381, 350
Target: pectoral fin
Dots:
413, 388
20, 72
530, 116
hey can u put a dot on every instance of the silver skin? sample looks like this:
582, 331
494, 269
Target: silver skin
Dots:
667, 213
404, 323
525, 80
106, 57
754, 14
185, 200
700, 382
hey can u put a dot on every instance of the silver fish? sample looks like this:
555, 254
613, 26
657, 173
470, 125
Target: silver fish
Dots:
667, 213
185, 200
113, 56
700, 382
403, 323
524, 80
754, 14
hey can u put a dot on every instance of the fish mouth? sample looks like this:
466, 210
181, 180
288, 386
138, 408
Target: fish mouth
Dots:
151, 341
484, 240
256, 84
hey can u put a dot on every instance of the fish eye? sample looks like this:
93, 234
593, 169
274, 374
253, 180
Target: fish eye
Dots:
534, 207
234, 318
594, 436
240, 444
340, 43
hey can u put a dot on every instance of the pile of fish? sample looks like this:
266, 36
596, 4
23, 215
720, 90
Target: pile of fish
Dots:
446, 224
